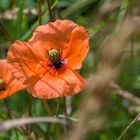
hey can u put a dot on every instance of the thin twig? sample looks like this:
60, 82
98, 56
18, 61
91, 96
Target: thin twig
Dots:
6, 125
131, 123
39, 11
49, 9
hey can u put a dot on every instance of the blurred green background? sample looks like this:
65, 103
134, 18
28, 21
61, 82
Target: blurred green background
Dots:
20, 17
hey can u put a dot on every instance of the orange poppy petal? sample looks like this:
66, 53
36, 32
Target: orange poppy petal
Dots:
53, 35
50, 86
12, 85
24, 62
65, 35
77, 49
5, 74
31, 63
11, 89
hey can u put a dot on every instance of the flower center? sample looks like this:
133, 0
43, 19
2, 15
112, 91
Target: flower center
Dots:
55, 58
54, 55
2, 85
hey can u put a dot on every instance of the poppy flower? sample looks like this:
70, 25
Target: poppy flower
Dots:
8, 84
48, 61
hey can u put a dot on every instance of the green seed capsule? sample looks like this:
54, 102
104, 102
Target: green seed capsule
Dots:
54, 55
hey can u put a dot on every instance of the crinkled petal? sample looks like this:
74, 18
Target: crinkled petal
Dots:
77, 49
25, 62
66, 36
29, 62
11, 89
52, 86
5, 74
11, 84
53, 35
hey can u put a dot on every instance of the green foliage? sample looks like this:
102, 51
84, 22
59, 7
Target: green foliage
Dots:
84, 12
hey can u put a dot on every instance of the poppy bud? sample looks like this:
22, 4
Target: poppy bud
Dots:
2, 85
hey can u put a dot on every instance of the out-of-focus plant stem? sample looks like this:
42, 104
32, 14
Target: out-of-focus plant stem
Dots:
6, 34
28, 34
10, 116
57, 114
49, 9
47, 107
39, 11
30, 105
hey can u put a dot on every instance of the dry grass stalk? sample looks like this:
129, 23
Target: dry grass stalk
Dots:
124, 94
106, 71
9, 124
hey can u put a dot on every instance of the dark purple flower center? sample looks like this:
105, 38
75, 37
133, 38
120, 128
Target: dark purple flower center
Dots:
56, 65
55, 59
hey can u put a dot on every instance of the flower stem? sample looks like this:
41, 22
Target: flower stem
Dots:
57, 114
30, 105
49, 9
47, 107
58, 107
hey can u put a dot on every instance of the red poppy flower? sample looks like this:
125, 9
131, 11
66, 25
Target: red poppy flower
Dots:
49, 59
8, 84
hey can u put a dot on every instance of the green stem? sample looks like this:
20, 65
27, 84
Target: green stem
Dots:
58, 107
47, 107
30, 105
10, 116
57, 114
